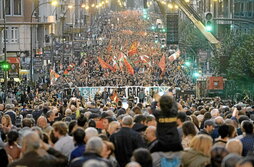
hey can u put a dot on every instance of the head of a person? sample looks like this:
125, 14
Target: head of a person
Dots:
94, 163
136, 110
234, 146
223, 131
68, 112
82, 120
42, 122
219, 120
202, 144
181, 117
1, 107
6, 120
113, 127
246, 162
108, 149
168, 106
217, 155
231, 160
27, 122
73, 108
194, 119
119, 104
189, 129
94, 145
143, 157
50, 115
30, 142
79, 136
106, 121
127, 121
215, 112
209, 126
150, 133
151, 121
141, 119
133, 164
12, 137
247, 127
60, 128
90, 132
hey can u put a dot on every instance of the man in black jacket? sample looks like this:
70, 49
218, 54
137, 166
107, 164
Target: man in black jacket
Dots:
126, 140
36, 153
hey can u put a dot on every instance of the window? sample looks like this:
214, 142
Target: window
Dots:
14, 35
1, 9
17, 7
8, 7
5, 38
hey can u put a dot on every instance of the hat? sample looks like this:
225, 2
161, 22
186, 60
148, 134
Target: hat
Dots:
209, 123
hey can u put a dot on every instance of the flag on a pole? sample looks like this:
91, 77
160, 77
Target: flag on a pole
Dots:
129, 67
133, 49
162, 63
174, 56
105, 65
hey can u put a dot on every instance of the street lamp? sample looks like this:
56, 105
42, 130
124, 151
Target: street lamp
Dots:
53, 3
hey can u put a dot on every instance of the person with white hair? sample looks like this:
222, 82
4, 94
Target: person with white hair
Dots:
126, 140
90, 132
234, 146
214, 113
93, 151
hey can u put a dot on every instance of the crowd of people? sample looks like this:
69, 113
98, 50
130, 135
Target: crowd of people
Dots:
166, 132
115, 33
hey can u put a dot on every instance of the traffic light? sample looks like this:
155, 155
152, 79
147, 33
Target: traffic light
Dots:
145, 14
187, 63
208, 21
164, 30
5, 66
196, 74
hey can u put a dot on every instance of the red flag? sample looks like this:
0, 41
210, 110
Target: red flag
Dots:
129, 67
102, 63
109, 49
105, 65
133, 49
162, 63
66, 72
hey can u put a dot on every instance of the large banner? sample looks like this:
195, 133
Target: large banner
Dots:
126, 91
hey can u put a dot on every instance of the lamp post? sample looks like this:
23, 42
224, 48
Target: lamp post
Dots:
5, 51
54, 3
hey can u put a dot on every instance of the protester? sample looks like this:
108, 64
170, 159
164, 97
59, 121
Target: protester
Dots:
199, 154
94, 148
126, 141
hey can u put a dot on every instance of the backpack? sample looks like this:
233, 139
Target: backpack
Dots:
174, 162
